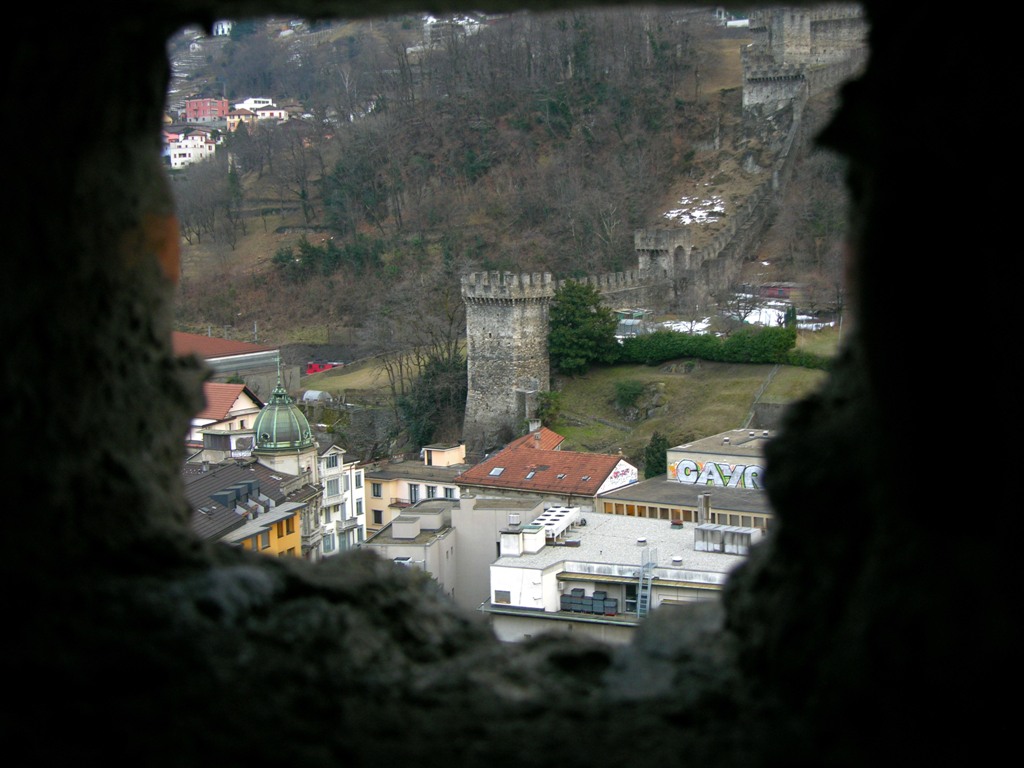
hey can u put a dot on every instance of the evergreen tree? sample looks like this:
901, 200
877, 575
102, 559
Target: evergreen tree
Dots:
582, 329
435, 405
655, 455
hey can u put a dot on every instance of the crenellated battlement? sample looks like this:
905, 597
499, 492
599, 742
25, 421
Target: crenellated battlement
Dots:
801, 49
612, 281
795, 55
508, 286
782, 72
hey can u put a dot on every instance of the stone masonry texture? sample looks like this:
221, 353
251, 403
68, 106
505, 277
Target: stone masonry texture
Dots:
871, 628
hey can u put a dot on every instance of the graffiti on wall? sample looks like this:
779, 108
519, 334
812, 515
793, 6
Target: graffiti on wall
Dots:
718, 474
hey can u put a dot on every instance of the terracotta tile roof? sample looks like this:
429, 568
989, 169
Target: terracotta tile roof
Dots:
220, 398
208, 347
524, 468
548, 440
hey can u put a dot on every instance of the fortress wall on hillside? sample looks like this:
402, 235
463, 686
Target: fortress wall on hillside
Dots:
797, 53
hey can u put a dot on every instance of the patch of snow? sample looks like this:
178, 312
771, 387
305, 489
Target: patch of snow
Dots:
697, 211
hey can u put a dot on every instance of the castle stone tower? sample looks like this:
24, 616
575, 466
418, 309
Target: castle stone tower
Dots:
665, 256
506, 353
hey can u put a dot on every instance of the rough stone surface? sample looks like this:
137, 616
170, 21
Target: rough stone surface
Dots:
870, 628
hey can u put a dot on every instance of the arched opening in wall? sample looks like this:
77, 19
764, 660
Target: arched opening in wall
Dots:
335, 179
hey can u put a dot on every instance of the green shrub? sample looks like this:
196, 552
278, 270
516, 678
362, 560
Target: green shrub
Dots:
628, 392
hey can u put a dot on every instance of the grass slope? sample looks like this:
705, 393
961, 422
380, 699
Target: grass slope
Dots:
682, 399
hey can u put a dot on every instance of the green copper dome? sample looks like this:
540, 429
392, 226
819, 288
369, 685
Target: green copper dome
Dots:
280, 425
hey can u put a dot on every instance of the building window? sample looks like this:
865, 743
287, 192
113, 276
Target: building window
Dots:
414, 492
378, 517
449, 493
359, 479
344, 510
327, 516
431, 491
280, 529
359, 507
289, 525
264, 539
346, 482
332, 461
329, 542
376, 490
333, 488
502, 596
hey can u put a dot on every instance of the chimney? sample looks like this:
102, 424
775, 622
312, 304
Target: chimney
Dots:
535, 426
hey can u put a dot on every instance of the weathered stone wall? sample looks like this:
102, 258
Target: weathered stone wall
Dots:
872, 626
801, 52
506, 352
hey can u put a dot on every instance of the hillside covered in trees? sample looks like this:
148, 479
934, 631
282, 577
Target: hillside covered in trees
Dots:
419, 152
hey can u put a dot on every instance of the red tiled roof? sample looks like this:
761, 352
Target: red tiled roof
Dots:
220, 398
207, 347
548, 440
556, 472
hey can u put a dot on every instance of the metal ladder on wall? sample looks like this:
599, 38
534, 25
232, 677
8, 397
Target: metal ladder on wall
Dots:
643, 590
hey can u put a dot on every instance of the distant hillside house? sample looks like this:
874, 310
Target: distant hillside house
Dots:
181, 149
222, 28
237, 117
271, 112
206, 110
253, 103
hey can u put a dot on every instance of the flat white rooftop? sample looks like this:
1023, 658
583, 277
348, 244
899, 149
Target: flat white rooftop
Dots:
616, 540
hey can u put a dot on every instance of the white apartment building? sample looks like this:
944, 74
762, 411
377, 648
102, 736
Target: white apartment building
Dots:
254, 103
188, 148
342, 509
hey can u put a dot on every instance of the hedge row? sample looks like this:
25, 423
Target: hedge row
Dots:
772, 344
